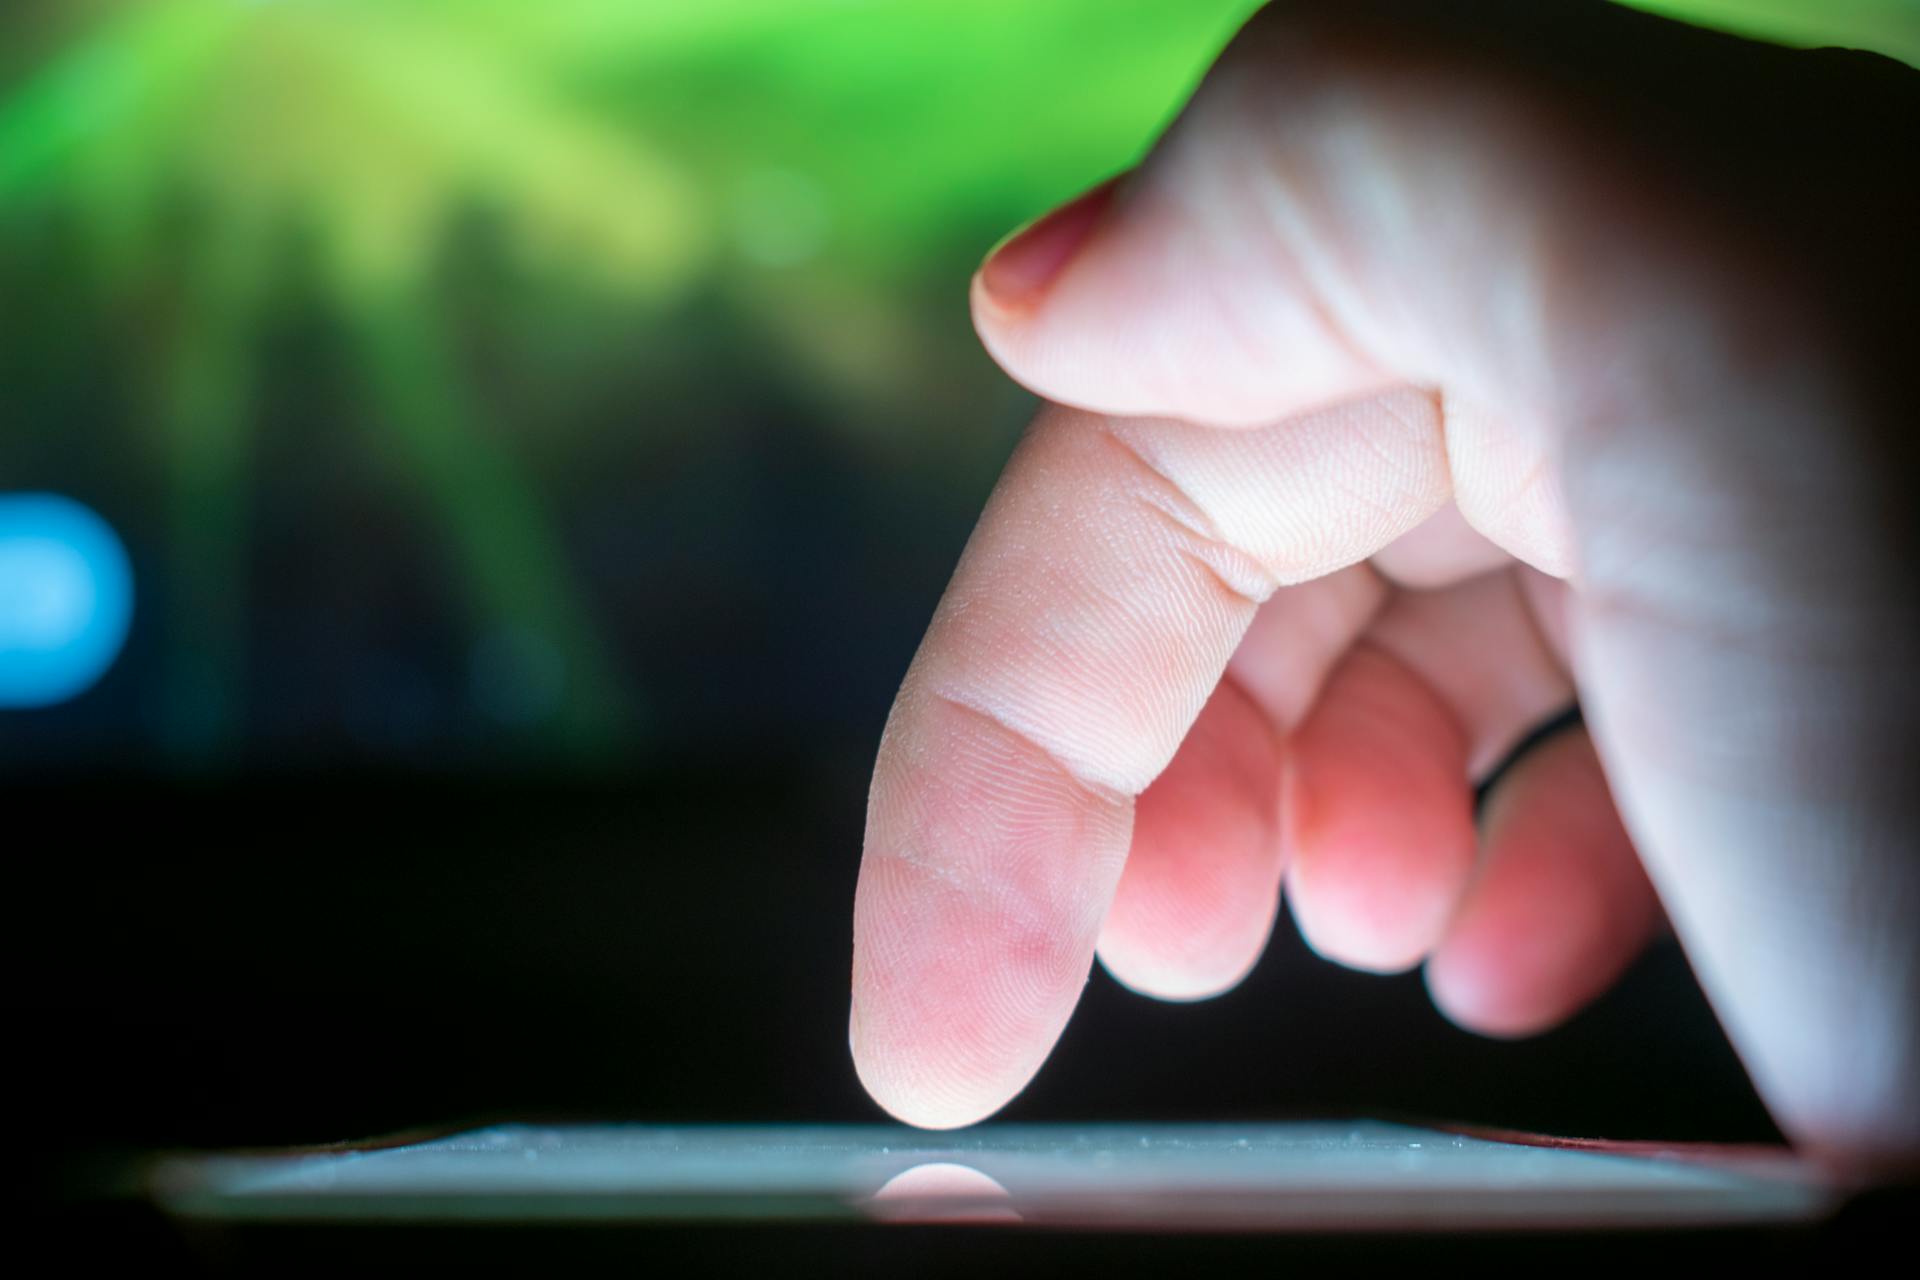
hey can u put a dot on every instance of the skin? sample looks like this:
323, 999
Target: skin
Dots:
1442, 364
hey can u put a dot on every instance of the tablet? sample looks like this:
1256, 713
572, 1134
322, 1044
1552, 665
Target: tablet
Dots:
1299, 1177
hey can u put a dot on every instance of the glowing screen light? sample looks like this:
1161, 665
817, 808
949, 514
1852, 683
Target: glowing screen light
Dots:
66, 596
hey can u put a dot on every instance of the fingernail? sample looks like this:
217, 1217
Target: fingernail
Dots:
1021, 267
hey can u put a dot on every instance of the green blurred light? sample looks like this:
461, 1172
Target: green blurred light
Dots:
797, 158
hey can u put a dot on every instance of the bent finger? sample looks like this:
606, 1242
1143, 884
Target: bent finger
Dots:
1378, 816
1202, 882
1559, 905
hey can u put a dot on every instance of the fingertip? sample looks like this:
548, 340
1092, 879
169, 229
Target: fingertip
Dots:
1005, 333
1472, 995
1358, 934
953, 1010
1126, 301
1144, 971
1009, 293
943, 1060
915, 1098
1017, 271
986, 872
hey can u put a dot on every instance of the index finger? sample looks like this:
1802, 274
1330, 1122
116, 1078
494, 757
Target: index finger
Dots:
1094, 609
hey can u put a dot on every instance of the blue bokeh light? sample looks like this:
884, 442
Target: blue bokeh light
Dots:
66, 598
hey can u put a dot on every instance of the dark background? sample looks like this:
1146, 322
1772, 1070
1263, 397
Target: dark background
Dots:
302, 959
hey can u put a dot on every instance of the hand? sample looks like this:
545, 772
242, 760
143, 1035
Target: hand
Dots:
1440, 365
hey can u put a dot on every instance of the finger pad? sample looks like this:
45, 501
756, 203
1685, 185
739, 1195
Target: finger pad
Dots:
986, 874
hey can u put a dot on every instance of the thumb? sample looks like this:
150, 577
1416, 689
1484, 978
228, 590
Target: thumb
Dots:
1372, 192
1633, 248
1289, 241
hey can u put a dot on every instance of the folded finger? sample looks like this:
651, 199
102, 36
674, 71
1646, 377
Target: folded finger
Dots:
1559, 905
1202, 882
